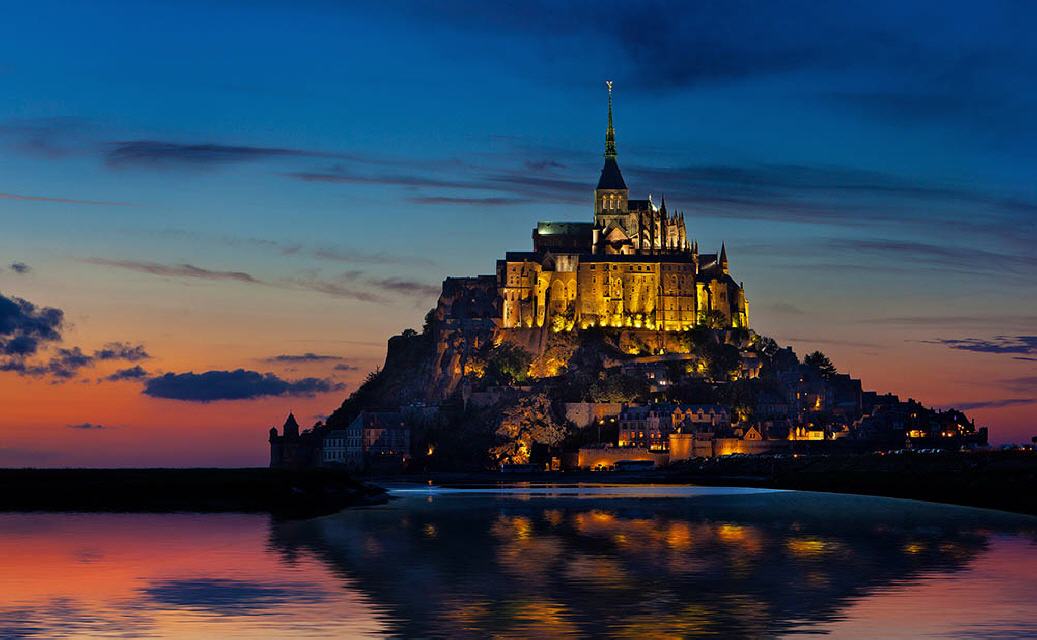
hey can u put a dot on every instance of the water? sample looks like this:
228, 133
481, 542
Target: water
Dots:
603, 562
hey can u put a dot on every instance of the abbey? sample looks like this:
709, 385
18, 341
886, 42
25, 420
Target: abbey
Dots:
633, 266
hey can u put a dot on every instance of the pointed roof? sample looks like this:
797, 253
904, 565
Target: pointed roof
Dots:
290, 422
611, 177
723, 252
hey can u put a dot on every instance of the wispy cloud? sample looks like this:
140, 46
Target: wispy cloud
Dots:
86, 426
20, 267
958, 320
992, 404
54, 137
946, 256
472, 202
407, 287
174, 270
352, 285
786, 308
58, 200
1019, 346
832, 341
309, 356
157, 154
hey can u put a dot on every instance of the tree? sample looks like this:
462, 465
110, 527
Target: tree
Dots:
715, 320
724, 361
508, 363
430, 320
820, 363
613, 386
529, 422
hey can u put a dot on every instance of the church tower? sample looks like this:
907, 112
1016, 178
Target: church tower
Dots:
610, 197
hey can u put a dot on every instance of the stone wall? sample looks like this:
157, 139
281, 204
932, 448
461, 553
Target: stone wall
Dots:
585, 414
593, 457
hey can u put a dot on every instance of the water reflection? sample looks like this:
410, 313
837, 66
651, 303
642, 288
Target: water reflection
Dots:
748, 565
167, 576
592, 563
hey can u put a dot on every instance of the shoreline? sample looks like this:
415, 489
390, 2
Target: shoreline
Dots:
285, 494
1000, 481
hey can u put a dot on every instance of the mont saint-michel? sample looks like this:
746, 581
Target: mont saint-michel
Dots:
616, 342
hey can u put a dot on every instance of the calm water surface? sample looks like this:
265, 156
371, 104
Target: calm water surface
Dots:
644, 562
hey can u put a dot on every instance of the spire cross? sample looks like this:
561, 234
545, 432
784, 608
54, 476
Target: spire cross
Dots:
610, 134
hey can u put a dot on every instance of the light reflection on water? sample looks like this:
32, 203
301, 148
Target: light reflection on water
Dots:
621, 562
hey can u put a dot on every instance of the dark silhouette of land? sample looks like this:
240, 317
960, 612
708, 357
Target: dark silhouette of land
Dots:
1001, 480
282, 492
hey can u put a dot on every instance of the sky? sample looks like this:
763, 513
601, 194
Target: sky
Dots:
212, 213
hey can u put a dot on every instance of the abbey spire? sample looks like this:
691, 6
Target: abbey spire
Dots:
610, 133
610, 196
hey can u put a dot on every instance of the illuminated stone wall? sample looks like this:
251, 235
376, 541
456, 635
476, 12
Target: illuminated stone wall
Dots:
593, 457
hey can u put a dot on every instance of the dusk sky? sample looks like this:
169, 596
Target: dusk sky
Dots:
214, 212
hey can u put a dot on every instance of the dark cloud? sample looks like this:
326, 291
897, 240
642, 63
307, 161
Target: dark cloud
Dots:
122, 351
25, 198
230, 597
937, 76
67, 363
240, 384
132, 373
20, 267
301, 357
174, 270
158, 154
1020, 346
345, 367
24, 326
86, 426
993, 404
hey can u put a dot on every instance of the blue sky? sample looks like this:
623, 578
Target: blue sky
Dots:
321, 166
